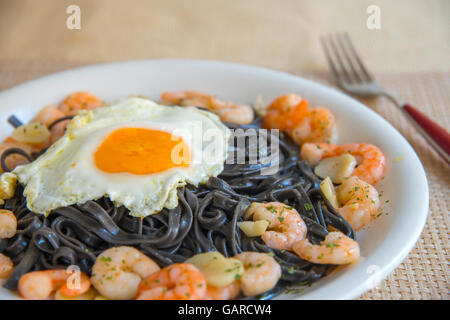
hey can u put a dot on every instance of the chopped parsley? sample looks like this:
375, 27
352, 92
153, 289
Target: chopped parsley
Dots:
105, 259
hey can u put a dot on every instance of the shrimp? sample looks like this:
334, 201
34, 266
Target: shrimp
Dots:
58, 130
337, 248
290, 113
317, 125
8, 224
50, 114
190, 98
39, 285
179, 281
228, 292
261, 274
6, 266
372, 162
79, 101
88, 295
227, 111
285, 224
360, 202
284, 112
15, 159
235, 113
8, 185
117, 272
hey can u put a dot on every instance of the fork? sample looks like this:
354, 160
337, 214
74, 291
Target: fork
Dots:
352, 76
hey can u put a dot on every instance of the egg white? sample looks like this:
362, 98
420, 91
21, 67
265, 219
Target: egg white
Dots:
66, 173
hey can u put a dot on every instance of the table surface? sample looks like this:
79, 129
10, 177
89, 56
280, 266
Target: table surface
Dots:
413, 36
283, 35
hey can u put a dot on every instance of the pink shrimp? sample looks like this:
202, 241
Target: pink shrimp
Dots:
317, 125
58, 130
77, 101
189, 98
261, 274
285, 112
39, 285
6, 266
15, 160
290, 113
179, 281
360, 202
337, 248
228, 292
8, 224
227, 111
48, 114
372, 162
285, 224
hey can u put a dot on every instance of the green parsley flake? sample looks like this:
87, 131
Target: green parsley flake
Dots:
105, 259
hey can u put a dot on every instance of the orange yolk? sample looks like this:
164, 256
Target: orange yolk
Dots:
141, 151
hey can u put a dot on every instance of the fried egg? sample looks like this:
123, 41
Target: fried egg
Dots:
135, 152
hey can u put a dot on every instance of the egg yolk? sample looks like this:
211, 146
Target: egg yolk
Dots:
141, 151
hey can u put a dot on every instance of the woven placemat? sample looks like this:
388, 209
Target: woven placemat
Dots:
424, 273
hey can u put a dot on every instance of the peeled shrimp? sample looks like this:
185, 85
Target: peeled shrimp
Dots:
372, 162
228, 292
58, 130
290, 113
360, 202
50, 114
285, 224
39, 285
8, 185
8, 224
6, 266
235, 113
15, 159
179, 281
79, 101
337, 248
189, 98
285, 112
227, 111
261, 274
117, 272
317, 125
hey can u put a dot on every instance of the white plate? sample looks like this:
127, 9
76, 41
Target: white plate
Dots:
384, 244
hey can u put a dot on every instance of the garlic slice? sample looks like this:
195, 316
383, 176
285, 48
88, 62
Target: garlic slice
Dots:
328, 191
253, 228
33, 132
337, 168
218, 270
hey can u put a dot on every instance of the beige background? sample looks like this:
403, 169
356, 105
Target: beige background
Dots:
283, 34
410, 55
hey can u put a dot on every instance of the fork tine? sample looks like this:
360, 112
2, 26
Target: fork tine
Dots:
356, 57
338, 58
330, 60
357, 76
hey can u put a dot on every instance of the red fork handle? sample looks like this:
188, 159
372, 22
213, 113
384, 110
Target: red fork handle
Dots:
438, 137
